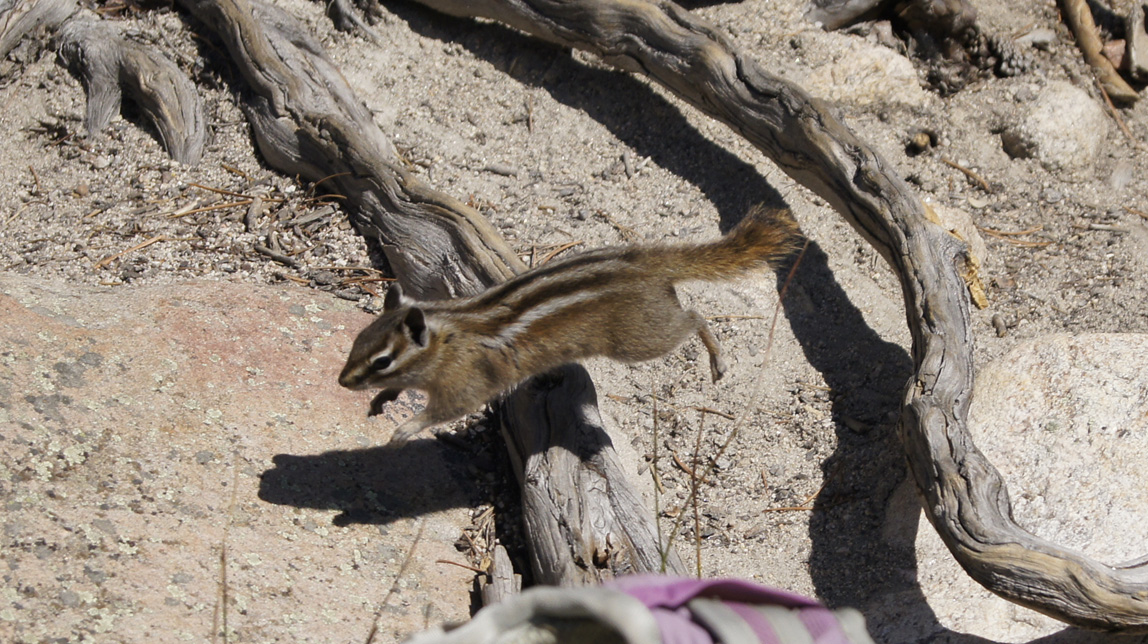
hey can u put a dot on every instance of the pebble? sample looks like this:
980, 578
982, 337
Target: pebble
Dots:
1064, 128
1121, 175
325, 278
999, 325
1039, 38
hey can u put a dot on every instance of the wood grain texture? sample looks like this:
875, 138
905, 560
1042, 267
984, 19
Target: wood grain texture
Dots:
109, 64
965, 497
18, 18
1078, 15
574, 490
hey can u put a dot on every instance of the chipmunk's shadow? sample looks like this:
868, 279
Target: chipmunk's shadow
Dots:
374, 485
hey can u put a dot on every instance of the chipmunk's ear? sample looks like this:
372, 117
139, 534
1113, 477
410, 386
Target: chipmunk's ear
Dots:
416, 325
394, 298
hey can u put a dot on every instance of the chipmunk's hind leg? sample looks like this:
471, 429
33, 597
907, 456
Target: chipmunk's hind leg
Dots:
409, 429
717, 361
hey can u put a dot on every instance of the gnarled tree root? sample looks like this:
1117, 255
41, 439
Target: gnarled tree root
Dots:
965, 497
109, 63
18, 18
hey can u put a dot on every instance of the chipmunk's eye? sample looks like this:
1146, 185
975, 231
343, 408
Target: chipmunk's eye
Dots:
381, 363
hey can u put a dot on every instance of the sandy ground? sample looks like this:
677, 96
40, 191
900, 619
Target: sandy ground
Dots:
557, 149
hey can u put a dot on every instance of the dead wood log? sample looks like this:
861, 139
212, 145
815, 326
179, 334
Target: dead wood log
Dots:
108, 63
503, 583
574, 493
965, 497
307, 121
1078, 15
18, 18
942, 18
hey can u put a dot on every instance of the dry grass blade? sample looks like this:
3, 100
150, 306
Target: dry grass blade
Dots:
21, 209
144, 244
715, 412
1116, 115
970, 174
461, 565
235, 171
1010, 236
560, 249
217, 206
219, 616
628, 234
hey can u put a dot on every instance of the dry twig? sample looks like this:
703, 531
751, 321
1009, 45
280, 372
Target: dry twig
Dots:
1078, 15
144, 244
970, 174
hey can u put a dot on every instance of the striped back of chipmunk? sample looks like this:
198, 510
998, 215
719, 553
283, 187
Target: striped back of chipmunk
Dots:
509, 308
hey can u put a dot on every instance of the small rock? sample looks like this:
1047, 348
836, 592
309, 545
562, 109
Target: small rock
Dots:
999, 325
325, 278
501, 169
1064, 129
1121, 175
1039, 38
860, 73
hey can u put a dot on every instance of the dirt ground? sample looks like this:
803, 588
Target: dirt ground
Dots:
564, 154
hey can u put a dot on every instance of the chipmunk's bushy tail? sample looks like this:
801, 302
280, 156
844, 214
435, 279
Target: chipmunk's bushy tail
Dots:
761, 240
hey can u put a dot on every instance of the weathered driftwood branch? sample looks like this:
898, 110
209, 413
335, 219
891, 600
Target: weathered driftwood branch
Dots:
18, 18
1078, 15
307, 121
598, 518
965, 497
108, 63
504, 582
942, 19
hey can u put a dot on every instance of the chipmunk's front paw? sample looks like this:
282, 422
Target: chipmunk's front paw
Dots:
378, 402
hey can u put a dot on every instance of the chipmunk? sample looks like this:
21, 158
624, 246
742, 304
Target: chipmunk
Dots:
614, 302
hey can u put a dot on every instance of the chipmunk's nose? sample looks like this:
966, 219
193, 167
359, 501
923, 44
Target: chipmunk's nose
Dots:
348, 378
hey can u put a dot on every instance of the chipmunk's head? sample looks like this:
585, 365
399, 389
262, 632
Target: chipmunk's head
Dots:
383, 352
